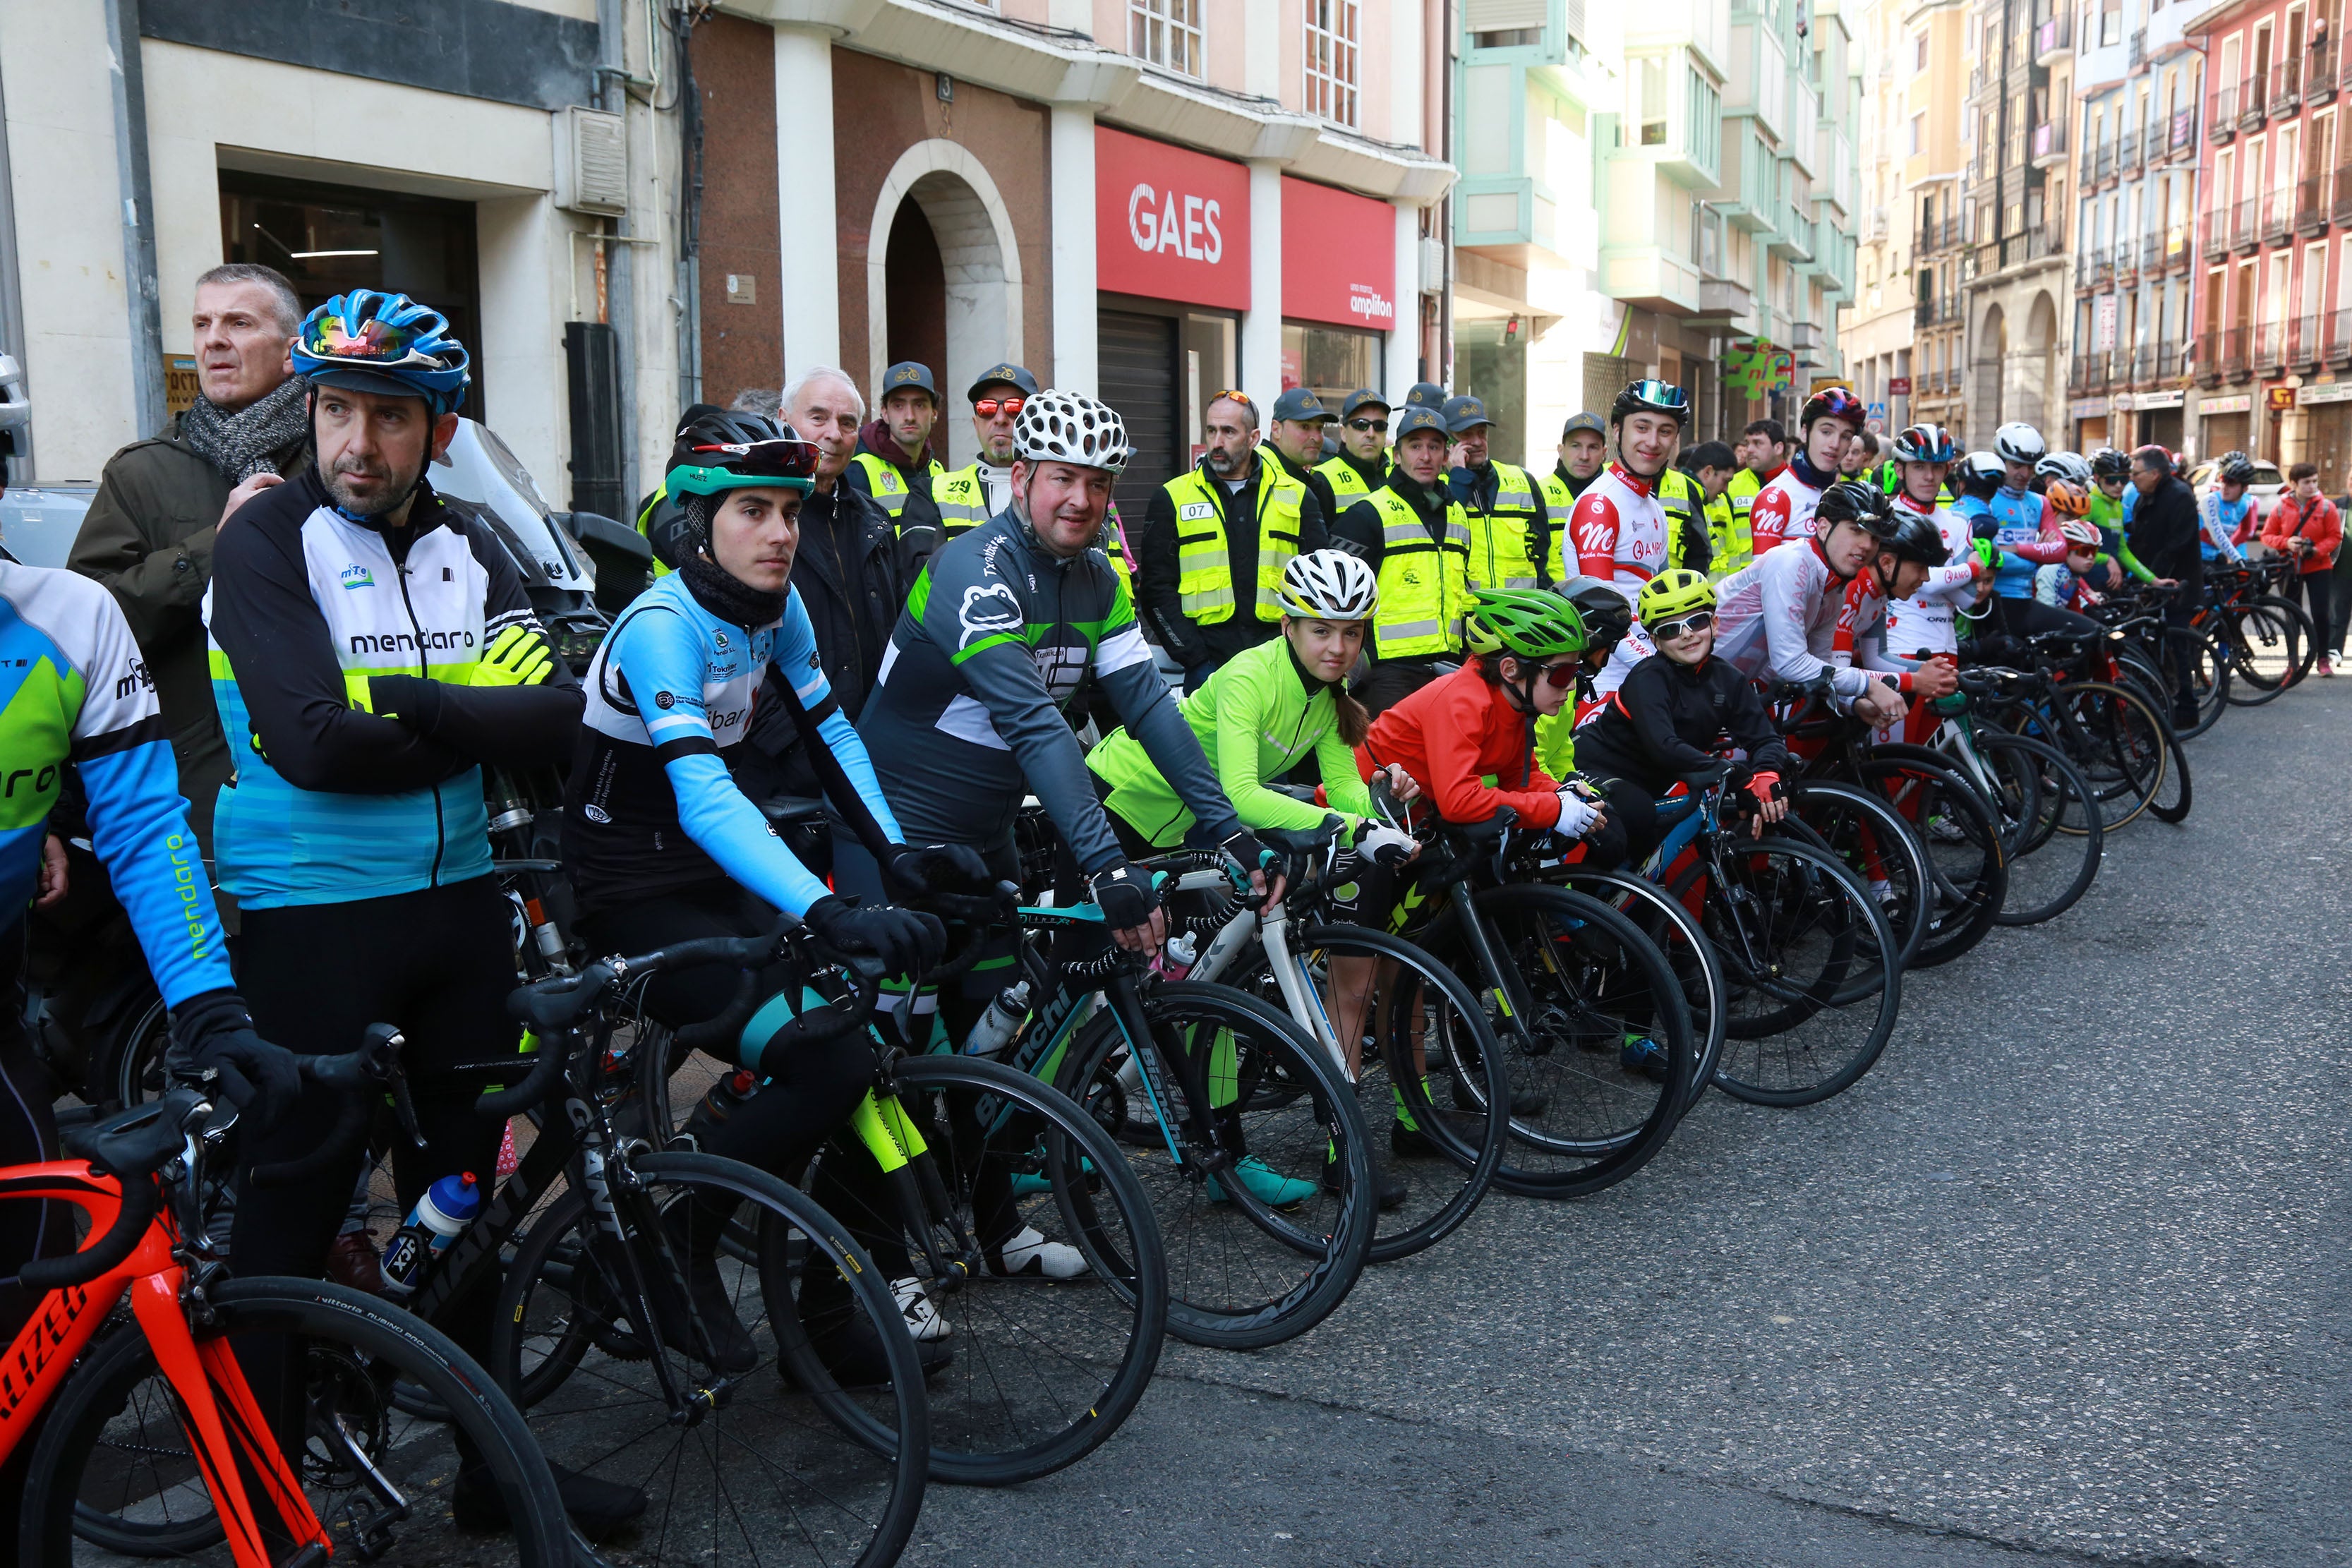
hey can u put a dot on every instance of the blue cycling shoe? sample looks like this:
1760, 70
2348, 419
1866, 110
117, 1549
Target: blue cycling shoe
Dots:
1265, 1183
1645, 1056
1029, 1185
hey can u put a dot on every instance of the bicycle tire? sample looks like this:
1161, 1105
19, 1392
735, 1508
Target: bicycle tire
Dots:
2116, 740
2263, 630
1298, 1270
362, 1344
2064, 792
1971, 874
564, 1340
1896, 849
1042, 1371
1819, 882
2175, 793
1688, 949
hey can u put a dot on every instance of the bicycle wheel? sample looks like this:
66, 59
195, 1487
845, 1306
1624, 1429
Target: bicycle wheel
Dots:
1031, 1372
1969, 870
2173, 793
113, 1471
1429, 1070
810, 1446
2269, 644
1253, 1155
2051, 823
1796, 932
2116, 738
1675, 931
1875, 843
1590, 1010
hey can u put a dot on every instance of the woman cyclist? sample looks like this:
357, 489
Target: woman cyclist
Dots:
663, 848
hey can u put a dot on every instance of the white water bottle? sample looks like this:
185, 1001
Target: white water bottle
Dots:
447, 1207
998, 1025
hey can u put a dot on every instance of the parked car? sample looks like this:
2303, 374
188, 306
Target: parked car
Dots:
2268, 482
38, 523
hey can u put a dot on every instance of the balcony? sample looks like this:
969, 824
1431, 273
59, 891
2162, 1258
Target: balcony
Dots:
2311, 194
2214, 228
2270, 348
1935, 238
2049, 144
2252, 94
1873, 227
2285, 87
2152, 252
2340, 209
2127, 154
2099, 167
2125, 260
2208, 358
2278, 213
1651, 277
2168, 364
2091, 268
2318, 78
2052, 39
2233, 360
2338, 348
2088, 373
2138, 54
2303, 342
2243, 230
2183, 140
1725, 298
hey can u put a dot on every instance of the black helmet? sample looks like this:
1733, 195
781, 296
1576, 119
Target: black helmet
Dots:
2237, 468
1608, 615
1910, 536
1651, 397
2106, 463
1850, 501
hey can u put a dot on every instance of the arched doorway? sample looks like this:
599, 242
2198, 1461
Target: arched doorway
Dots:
944, 287
2035, 367
1985, 402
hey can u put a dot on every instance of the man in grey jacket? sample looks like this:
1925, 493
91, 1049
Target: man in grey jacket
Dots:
162, 502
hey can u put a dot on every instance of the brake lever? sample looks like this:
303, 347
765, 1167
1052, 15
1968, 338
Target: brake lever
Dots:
380, 1051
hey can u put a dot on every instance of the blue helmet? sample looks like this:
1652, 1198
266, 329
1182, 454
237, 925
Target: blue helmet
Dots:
369, 341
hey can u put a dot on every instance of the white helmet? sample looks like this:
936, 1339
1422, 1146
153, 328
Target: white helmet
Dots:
1070, 428
1329, 585
2071, 467
2018, 442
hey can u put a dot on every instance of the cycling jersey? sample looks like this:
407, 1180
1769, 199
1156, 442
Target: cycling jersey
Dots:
1671, 719
2111, 515
968, 713
1259, 716
329, 801
1925, 621
1778, 620
1453, 735
1783, 512
74, 689
2027, 532
651, 807
1620, 531
2219, 521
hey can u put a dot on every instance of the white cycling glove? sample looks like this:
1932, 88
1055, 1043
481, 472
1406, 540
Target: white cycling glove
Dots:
1577, 815
1385, 846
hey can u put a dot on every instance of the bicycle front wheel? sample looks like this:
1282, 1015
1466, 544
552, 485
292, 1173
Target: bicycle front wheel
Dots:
1968, 867
114, 1472
2050, 820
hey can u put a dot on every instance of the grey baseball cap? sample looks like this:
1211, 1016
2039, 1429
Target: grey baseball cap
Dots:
1464, 412
907, 374
1414, 419
1006, 374
1584, 422
1299, 403
1363, 397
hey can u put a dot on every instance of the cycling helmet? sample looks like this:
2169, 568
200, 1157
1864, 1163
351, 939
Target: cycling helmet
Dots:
707, 425
1526, 622
1651, 397
1675, 591
2236, 469
760, 455
1329, 585
1835, 402
1602, 608
389, 344
2018, 442
2078, 531
2106, 463
2071, 467
1909, 536
2068, 498
1851, 500
1071, 427
1983, 475
1925, 444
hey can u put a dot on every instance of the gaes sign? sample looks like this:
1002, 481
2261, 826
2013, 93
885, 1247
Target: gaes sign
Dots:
1170, 223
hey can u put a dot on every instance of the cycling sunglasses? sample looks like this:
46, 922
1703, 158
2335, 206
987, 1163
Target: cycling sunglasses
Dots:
1661, 395
782, 459
1557, 676
1379, 424
1666, 631
989, 408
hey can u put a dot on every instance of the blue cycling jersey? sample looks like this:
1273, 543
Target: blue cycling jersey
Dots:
73, 688
2217, 520
651, 806
2012, 517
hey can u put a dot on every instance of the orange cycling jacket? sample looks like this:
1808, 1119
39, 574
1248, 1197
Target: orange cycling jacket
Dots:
1450, 735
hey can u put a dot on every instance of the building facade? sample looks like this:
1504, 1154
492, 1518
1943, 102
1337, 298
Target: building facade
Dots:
2014, 269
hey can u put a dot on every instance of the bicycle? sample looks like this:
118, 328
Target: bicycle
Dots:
2050, 819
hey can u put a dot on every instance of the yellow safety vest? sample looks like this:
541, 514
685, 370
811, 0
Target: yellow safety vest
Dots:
882, 478
1204, 562
1114, 544
1498, 537
1734, 539
1348, 486
1424, 586
1678, 495
1721, 528
1558, 503
962, 498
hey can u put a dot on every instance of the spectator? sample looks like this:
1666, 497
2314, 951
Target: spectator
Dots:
1763, 452
1860, 456
1296, 443
161, 504
894, 465
848, 568
2305, 527
1711, 464
1583, 448
2163, 533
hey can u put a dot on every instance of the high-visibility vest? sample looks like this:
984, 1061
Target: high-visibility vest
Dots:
1348, 486
962, 498
1735, 542
882, 477
1205, 559
1719, 526
1558, 500
1114, 544
1678, 497
1499, 554
1424, 586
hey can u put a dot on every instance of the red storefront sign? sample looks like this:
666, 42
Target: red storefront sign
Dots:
1170, 224
1899, 386
1338, 257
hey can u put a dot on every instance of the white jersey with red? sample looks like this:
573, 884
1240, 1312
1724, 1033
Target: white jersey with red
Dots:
1621, 538
1925, 621
1786, 618
1783, 512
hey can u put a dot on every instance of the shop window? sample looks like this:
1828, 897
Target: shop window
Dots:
1490, 360
329, 240
1331, 58
1168, 33
1331, 362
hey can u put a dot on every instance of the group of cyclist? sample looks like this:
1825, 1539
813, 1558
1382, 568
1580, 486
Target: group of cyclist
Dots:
372, 650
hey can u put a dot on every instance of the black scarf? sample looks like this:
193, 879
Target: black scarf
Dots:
242, 444
729, 597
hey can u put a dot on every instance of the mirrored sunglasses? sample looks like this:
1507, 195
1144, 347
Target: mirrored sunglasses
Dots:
1697, 621
990, 407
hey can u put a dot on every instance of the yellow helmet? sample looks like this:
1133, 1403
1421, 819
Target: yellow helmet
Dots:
1675, 591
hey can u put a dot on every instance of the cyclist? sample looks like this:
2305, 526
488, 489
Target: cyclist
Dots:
1783, 512
1620, 526
1911, 559
662, 847
2019, 523
2111, 502
2227, 515
372, 652
1923, 624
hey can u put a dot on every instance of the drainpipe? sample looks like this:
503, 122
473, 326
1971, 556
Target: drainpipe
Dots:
19, 469
620, 269
128, 80
1444, 373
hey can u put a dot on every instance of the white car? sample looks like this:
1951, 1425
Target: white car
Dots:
2268, 482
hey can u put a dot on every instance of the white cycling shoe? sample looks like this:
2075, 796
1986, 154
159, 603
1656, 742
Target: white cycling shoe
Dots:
1030, 1254
923, 1319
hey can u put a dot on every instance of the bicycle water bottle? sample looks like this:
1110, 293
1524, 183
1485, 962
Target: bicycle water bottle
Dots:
447, 1207
998, 1025
1177, 958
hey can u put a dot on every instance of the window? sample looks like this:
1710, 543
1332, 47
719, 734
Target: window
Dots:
1919, 53
1331, 59
1918, 134
1652, 79
1167, 33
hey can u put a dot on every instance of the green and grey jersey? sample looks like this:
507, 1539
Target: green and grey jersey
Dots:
968, 714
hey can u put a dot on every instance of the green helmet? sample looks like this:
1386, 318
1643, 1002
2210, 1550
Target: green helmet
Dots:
1525, 622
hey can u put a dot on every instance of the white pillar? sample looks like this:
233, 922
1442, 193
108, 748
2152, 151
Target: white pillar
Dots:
1262, 322
807, 229
1402, 366
1072, 150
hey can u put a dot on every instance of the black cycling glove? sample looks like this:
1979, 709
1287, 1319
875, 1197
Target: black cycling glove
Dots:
213, 1033
935, 869
1245, 852
1126, 895
903, 940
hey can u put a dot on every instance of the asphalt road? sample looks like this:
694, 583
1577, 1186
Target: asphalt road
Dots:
2064, 1276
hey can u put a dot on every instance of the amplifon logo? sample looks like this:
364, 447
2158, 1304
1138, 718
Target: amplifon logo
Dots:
1154, 223
1370, 304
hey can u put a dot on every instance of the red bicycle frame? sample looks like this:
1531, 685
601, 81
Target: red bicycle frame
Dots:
225, 1430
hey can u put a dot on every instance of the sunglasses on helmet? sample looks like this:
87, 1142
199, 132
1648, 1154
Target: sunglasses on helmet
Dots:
1662, 393
1682, 626
989, 408
782, 459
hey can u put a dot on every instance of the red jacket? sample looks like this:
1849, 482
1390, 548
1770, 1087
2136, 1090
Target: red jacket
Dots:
2319, 522
1450, 735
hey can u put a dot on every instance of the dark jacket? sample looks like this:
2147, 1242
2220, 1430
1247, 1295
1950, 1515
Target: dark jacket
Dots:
1667, 719
1156, 574
148, 537
1317, 485
875, 438
2164, 531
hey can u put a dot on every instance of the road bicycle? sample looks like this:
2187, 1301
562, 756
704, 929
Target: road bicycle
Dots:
2050, 819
